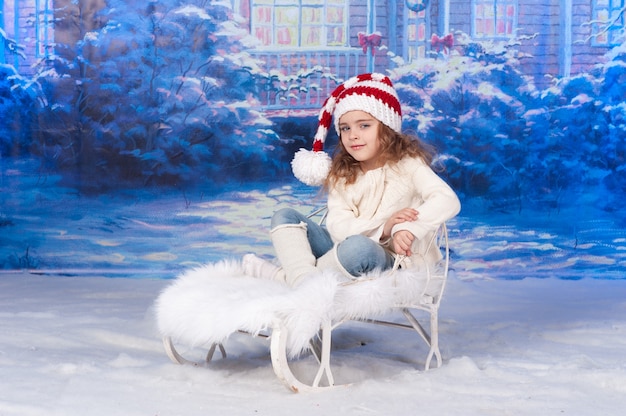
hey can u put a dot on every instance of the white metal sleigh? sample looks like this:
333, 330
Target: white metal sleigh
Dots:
204, 306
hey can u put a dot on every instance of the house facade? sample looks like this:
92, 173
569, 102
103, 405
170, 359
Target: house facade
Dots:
565, 37
561, 37
346, 37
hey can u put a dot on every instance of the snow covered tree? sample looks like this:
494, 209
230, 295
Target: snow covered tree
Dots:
587, 122
20, 99
471, 106
511, 144
161, 93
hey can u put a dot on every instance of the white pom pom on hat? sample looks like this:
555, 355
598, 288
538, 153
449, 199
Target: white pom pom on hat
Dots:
372, 93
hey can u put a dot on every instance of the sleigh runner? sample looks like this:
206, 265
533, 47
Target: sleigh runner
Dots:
203, 307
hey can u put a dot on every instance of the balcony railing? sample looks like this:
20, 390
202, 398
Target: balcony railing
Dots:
311, 91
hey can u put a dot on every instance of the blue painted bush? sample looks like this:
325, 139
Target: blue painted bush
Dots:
512, 144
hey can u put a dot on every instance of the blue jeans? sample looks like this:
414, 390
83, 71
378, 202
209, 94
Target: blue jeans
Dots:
357, 254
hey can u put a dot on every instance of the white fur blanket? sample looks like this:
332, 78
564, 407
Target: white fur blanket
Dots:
207, 304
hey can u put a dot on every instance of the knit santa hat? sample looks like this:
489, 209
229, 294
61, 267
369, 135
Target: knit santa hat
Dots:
372, 93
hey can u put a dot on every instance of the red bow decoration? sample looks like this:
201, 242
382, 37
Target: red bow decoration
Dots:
369, 41
444, 43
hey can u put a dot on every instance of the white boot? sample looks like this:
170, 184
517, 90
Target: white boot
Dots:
257, 267
293, 251
331, 261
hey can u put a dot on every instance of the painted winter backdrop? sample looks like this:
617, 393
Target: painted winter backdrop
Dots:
118, 147
145, 150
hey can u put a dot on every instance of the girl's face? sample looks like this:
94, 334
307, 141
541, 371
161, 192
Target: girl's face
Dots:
359, 136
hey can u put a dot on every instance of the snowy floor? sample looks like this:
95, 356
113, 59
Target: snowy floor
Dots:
512, 344
88, 346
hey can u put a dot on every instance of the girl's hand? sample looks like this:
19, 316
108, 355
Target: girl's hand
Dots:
406, 214
402, 241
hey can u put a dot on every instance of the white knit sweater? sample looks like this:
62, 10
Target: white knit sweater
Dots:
365, 206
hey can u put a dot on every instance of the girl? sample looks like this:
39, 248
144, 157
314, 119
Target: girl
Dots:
384, 200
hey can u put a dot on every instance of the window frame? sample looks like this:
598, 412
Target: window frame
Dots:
612, 33
44, 27
497, 19
418, 48
298, 27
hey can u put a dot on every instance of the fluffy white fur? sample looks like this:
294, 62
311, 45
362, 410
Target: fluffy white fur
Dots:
206, 305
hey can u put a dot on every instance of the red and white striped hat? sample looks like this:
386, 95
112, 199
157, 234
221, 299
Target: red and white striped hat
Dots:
372, 93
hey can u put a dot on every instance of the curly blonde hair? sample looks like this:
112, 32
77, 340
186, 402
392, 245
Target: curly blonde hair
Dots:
393, 147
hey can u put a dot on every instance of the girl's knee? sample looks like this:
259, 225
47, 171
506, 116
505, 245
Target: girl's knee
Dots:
286, 216
358, 254
357, 243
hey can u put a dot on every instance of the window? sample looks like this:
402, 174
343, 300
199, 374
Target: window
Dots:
29, 30
494, 19
416, 34
608, 22
300, 23
44, 18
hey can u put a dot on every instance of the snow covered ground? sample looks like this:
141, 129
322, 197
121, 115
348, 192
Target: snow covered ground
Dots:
89, 346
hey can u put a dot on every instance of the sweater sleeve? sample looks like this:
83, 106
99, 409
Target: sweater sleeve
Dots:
438, 204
